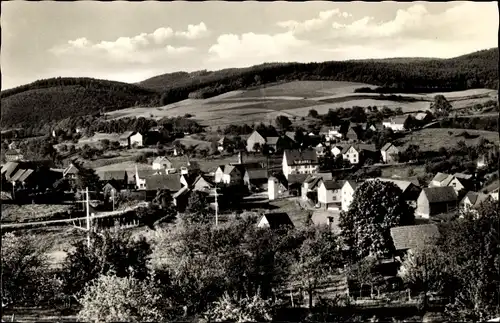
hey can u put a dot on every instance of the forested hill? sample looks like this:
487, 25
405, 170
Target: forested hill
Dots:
53, 99
44, 101
476, 70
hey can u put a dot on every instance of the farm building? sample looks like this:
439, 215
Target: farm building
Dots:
180, 198
275, 188
397, 124
300, 162
255, 177
275, 221
229, 174
13, 155
472, 201
162, 162
458, 181
71, 171
348, 190
337, 149
202, 184
356, 154
131, 139
329, 218
123, 178
388, 152
255, 138
170, 182
436, 200
412, 237
330, 194
332, 134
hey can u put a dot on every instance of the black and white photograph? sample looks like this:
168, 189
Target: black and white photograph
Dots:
250, 161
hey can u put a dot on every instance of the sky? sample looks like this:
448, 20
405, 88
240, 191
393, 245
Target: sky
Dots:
130, 42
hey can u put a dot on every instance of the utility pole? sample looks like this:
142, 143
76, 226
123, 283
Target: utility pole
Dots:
88, 217
216, 208
113, 197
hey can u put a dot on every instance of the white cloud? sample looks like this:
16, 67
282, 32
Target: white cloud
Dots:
254, 46
142, 48
194, 31
178, 50
313, 24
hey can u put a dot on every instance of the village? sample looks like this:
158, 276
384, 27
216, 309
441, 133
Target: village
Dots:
291, 179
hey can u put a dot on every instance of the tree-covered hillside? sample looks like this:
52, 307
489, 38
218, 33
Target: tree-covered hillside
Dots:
58, 98
54, 99
476, 70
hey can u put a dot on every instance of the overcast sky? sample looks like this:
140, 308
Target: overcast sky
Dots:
129, 42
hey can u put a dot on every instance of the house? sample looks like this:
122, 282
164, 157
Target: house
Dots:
13, 155
436, 200
336, 149
471, 202
294, 183
300, 162
255, 177
411, 192
9, 168
356, 154
330, 193
388, 151
131, 139
275, 188
397, 124
255, 138
320, 150
202, 184
121, 178
21, 176
412, 237
111, 189
310, 187
232, 175
347, 192
162, 162
222, 144
351, 134
275, 221
169, 182
332, 134
71, 171
458, 181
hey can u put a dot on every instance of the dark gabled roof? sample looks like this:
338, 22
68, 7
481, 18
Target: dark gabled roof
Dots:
313, 181
462, 176
204, 178
440, 177
290, 134
272, 140
296, 178
17, 175
414, 236
293, 156
112, 175
149, 172
126, 134
277, 220
71, 169
352, 183
182, 191
248, 166
170, 182
9, 168
25, 175
367, 147
228, 169
402, 184
440, 194
333, 185
190, 178
257, 173
12, 152
476, 198
161, 160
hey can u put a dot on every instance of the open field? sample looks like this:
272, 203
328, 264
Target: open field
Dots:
435, 138
18, 213
294, 99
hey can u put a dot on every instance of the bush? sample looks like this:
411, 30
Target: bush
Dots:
120, 299
248, 309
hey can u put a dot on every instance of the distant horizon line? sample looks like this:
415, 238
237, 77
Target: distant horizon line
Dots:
255, 65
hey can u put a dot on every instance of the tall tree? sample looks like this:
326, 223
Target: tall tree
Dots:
318, 257
441, 106
376, 207
283, 122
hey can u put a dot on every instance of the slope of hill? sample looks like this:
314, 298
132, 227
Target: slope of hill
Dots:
476, 70
43, 101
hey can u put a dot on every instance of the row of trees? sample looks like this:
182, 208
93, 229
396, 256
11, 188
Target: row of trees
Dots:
237, 271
